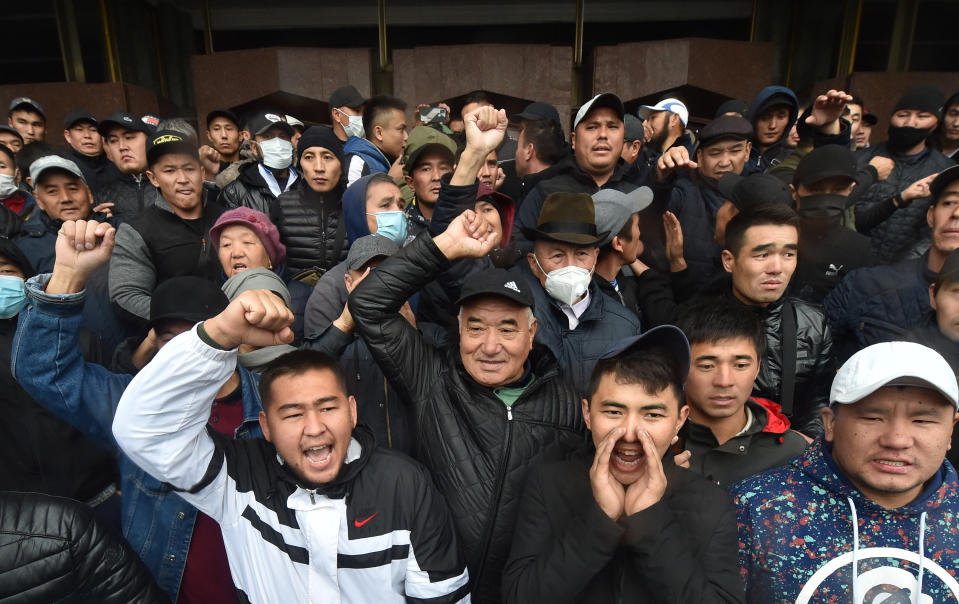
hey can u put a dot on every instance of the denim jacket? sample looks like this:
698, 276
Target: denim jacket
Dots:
46, 361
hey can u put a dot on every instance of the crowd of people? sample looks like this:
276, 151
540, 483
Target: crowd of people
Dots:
454, 356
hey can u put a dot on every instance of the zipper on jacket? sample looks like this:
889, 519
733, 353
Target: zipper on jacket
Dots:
497, 493
312, 499
386, 399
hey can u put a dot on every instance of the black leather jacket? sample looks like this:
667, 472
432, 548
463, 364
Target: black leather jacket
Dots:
52, 550
814, 362
130, 194
476, 448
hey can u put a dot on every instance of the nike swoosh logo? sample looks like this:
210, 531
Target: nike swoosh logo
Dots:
359, 523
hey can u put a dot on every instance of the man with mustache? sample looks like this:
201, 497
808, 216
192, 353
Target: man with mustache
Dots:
596, 162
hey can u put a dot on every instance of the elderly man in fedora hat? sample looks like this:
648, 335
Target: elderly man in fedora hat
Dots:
577, 321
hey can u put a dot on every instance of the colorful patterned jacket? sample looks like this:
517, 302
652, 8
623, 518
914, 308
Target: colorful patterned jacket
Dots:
805, 532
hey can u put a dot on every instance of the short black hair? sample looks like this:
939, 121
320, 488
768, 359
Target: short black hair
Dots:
650, 369
547, 138
709, 320
30, 153
376, 107
625, 233
9, 153
296, 363
761, 214
475, 96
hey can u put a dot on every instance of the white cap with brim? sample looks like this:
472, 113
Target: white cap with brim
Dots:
47, 162
672, 105
893, 364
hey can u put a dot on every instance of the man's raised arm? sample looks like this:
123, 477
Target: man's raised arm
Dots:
161, 420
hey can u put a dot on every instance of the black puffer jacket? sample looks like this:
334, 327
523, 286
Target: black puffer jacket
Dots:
311, 227
814, 362
52, 550
130, 194
476, 448
897, 233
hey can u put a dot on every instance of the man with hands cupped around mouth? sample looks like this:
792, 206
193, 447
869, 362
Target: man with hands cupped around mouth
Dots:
620, 521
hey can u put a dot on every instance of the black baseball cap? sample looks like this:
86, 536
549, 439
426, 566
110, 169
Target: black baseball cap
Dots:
940, 182
25, 102
825, 162
633, 130
11, 130
725, 127
367, 248
949, 273
261, 122
125, 120
751, 190
222, 113
497, 282
666, 338
78, 115
347, 96
538, 111
165, 142
186, 298
732, 106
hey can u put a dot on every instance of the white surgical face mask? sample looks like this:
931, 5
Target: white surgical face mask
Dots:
277, 153
354, 126
7, 185
567, 284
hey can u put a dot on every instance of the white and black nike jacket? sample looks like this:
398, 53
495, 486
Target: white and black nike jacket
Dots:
379, 532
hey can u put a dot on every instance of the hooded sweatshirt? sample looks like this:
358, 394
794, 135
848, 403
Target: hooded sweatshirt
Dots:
354, 209
363, 158
760, 161
805, 532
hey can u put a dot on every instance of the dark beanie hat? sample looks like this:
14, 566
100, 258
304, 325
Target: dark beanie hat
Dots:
922, 98
320, 136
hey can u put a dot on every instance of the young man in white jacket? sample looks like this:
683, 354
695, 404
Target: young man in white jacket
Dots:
313, 513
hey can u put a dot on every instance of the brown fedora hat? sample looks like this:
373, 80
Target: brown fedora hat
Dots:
568, 218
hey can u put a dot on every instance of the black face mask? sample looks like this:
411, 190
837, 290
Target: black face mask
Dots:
821, 211
823, 202
904, 138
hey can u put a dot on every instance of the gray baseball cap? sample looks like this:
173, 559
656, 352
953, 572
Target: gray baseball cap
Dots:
47, 162
613, 209
22, 101
366, 248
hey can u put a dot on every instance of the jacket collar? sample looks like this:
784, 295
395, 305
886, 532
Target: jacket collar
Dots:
339, 487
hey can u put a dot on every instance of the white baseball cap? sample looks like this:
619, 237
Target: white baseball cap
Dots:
893, 364
606, 99
672, 105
